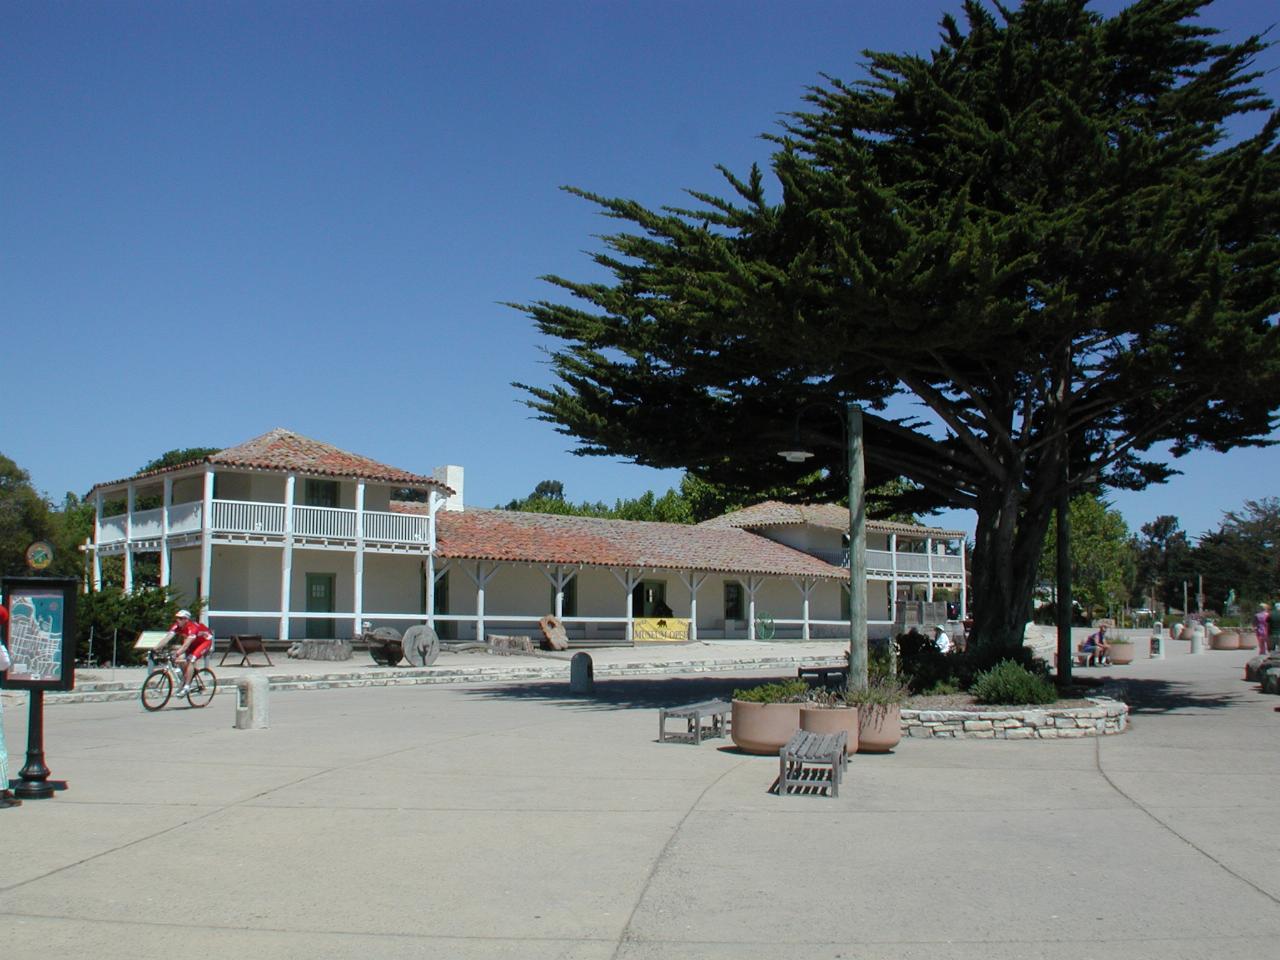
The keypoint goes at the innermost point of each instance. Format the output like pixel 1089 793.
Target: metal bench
pixel 800 760
pixel 717 711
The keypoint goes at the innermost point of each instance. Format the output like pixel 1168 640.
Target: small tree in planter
pixel 764 717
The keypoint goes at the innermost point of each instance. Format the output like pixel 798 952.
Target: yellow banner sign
pixel 660 630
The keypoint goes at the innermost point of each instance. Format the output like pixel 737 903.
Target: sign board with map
pixel 42 633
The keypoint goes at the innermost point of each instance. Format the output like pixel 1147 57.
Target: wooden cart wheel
pixel 385 646
pixel 421 645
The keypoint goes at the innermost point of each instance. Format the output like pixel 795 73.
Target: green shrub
pixel 943 688
pixel 784 691
pixel 116 618
pixel 1010 683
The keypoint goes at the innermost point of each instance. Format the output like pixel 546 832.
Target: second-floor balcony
pixel 267 519
pixel 882 564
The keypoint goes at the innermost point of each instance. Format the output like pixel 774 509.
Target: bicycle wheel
pixel 156 690
pixel 203 686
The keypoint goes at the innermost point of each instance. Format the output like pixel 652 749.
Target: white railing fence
pixel 241 516
pixel 395 527
pixel 324 522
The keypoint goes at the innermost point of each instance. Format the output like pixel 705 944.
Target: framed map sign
pixel 42 633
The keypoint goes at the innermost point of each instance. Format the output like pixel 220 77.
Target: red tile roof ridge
pixel 283 450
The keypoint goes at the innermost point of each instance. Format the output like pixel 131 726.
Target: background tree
pixel 1103 563
pixel 26 516
pixel 1164 562
pixel 1243 555
pixel 1037 232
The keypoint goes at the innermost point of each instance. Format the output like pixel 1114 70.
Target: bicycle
pixel 165 671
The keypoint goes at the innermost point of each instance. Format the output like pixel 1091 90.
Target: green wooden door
pixel 320 589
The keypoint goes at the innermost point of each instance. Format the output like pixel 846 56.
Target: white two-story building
pixel 288 537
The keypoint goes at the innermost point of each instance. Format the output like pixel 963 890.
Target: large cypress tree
pixel 1039 232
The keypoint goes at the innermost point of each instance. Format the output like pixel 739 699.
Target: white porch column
pixel 482 574
pixel 359 559
pixel 166 574
pixel 206 539
pixel 559 580
pixel 97 538
pixel 629 579
pixel 131 501
pixel 286 555
pixel 806 587
pixel 928 549
pixel 964 582
pixel 752 584
pixel 433 504
pixel 692 582
pixel 893 589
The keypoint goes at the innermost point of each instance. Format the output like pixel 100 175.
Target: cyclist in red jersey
pixel 195 639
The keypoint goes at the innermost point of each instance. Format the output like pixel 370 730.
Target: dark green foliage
pixel 922 665
pixel 1243 554
pixel 26 516
pixel 1164 561
pixel 784 691
pixel 1010 683
pixel 112 614
pixel 1038 232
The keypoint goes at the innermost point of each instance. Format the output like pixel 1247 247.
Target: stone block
pixel 970 725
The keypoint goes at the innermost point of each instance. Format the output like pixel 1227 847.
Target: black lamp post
pixel 857 541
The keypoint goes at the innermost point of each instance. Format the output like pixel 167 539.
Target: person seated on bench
pixel 1096 647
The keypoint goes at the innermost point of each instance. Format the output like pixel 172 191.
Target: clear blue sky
pixel 223 217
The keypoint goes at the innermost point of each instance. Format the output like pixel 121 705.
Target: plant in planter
pixel 879 713
pixel 765 717
pixel 827 711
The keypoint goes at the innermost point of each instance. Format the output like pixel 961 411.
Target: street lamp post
pixel 857 540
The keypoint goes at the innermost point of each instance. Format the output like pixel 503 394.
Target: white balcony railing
pixel 111 529
pixel 184 517
pixel 241 516
pixel 395 527
pixel 881 562
pixel 146 524
pixel 324 522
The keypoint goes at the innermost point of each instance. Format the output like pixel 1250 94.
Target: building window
pixel 733 602
pixel 320 493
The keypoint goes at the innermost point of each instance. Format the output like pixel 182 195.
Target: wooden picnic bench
pixel 800 760
pixel 717 711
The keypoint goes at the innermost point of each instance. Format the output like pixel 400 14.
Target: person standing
pixel 1261 627
pixel 7 799
pixel 1273 623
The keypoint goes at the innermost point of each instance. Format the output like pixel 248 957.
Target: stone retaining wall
pixel 1104 718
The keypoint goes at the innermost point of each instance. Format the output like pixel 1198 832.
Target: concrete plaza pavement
pixel 495 820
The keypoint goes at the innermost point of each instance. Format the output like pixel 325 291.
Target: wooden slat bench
pixel 717 711
pixel 804 753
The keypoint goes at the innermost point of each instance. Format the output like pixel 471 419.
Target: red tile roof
pixel 283 450
pixel 509 535
pixel 830 516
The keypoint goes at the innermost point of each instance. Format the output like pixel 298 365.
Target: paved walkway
pixel 514 820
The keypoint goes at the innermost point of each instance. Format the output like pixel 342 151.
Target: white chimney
pixel 450 476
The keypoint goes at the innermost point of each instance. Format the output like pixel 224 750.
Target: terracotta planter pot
pixel 763 728
pixel 1122 651
pixel 832 720
pixel 1225 640
pixel 879 728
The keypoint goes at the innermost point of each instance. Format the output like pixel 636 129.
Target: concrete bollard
pixel 581 674
pixel 1157 642
pixel 1197 639
pixel 252 711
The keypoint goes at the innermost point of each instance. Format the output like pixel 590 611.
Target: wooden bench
pixel 717 711
pixel 800 760
pixel 825 675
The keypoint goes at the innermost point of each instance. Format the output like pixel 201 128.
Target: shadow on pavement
pixel 647 693
pixel 1160 696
